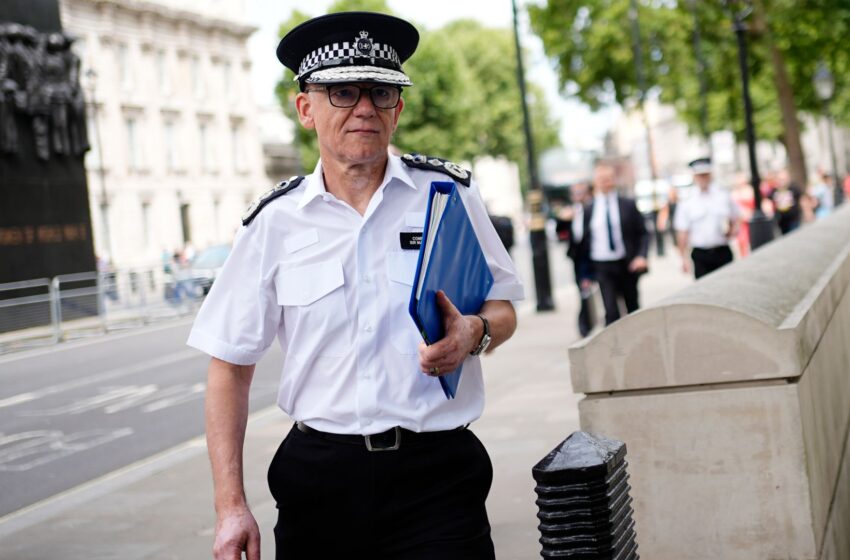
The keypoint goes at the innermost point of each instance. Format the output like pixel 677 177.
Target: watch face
pixel 482 346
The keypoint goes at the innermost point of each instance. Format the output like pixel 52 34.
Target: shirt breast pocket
pixel 314 311
pixel 401 267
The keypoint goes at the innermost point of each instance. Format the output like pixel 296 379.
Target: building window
pixel 170 146
pixel 146 224
pixel 197 78
pixel 227 75
pixel 134 146
pixel 163 77
pixel 185 225
pixel 93 155
pixel 203 144
pixel 237 144
pixel 125 73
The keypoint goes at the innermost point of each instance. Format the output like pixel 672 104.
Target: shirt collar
pixel 316 181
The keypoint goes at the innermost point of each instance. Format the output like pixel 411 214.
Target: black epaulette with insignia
pixel 279 190
pixel 440 165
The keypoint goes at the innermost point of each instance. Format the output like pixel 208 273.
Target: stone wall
pixel 733 397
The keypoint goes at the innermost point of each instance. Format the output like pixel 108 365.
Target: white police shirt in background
pixel 706 217
pixel 333 287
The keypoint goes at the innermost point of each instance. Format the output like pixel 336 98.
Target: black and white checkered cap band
pixel 347 51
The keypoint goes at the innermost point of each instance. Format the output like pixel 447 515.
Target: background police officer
pixel 706 222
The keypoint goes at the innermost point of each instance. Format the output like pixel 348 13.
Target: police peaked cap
pixel 700 166
pixel 349 47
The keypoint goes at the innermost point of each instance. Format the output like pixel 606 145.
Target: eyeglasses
pixel 347 95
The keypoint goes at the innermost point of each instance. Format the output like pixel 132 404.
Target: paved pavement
pixel 161 507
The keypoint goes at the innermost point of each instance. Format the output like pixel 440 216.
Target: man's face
pixel 702 180
pixel 351 135
pixel 579 192
pixel 603 179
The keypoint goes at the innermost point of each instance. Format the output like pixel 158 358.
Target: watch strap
pixel 485 337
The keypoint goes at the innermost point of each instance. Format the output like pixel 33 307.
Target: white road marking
pixel 98 377
pixel 27 450
pixel 149 398
pixel 54 505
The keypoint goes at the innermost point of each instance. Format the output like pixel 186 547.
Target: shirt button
pixel 367 279
pixel 368 328
pixel 366 422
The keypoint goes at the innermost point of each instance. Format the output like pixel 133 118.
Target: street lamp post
pixel 825 87
pixel 650 152
pixel 703 84
pixel 537 227
pixel 91 79
pixel 761 227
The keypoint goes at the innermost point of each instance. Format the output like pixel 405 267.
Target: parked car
pixel 205 267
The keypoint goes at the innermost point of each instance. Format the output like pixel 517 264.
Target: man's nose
pixel 364 106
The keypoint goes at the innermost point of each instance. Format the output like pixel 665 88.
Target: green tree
pixel 465 101
pixel 591 41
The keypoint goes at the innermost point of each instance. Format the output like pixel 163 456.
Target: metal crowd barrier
pixel 70 306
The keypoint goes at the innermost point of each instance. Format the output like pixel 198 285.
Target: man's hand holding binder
pixel 463 332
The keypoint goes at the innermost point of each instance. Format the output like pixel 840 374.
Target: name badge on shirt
pixel 410 240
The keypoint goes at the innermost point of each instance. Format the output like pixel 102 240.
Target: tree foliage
pixel 591 42
pixel 465 101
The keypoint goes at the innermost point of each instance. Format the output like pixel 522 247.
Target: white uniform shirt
pixel 706 217
pixel 333 287
pixel 600 248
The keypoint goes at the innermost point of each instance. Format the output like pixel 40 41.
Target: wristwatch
pixel 485 338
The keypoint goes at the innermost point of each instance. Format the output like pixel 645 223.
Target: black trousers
pixel 585 315
pixel 422 501
pixel 615 282
pixel 709 260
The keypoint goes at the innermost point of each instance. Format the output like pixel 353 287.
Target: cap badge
pixel 365 46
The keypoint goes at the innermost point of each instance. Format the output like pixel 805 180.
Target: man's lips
pixel 363 131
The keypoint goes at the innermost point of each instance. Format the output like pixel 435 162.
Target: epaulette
pixel 279 190
pixel 440 165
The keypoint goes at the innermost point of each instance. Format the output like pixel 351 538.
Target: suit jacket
pixel 632 227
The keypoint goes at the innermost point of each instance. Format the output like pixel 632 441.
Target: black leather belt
pixel 385 441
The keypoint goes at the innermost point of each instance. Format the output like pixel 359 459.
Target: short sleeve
pixel 506 282
pixel 240 316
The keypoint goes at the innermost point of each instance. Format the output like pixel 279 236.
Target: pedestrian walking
pixel 786 203
pixel 613 236
pixel 745 199
pixel 706 222
pixel 570 216
pixel 821 194
pixel 379 463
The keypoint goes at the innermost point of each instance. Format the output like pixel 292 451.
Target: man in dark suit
pixel 614 238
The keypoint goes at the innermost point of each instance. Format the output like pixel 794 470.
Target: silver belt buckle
pixel 393 447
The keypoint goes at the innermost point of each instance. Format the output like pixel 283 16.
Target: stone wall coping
pixel 760 317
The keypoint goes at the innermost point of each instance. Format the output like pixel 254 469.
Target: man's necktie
pixel 608 224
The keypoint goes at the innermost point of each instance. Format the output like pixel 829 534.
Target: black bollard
pixel 583 496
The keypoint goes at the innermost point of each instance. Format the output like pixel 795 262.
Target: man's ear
pixel 399 108
pixel 304 107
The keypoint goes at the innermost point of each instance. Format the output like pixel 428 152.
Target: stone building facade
pixel 176 153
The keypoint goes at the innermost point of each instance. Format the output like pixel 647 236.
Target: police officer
pixel 706 222
pixel 379 463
